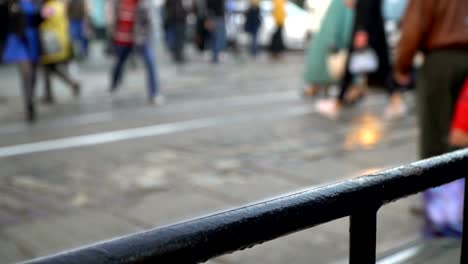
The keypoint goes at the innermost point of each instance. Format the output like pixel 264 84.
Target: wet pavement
pixel 229 135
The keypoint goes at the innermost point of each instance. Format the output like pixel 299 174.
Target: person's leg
pixel 331 108
pixel 48 94
pixel 151 70
pixel 345 83
pixel 218 38
pixel 215 43
pixel 255 43
pixel 121 53
pixel 179 42
pixel 65 76
pixel 438 85
pixel 435 103
pixel 83 39
pixel 34 69
pixel 26 75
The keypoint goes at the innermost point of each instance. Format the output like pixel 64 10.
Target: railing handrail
pixel 201 239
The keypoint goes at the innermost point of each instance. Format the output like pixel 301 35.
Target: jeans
pixel 122 54
pixel 254 43
pixel 218 38
pixel 77 34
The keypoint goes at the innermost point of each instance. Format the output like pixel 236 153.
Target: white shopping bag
pixel 363 61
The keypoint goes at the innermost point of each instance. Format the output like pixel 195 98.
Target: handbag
pixel 336 63
pixel 363 61
pixel 50 42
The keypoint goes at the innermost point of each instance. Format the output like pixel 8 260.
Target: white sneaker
pixel 328 108
pixel 157 100
pixel 395 111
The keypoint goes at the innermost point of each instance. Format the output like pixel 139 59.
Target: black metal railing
pixel 201 239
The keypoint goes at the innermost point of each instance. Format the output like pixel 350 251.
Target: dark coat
pixel 215 8
pixel 369 18
pixel 175 12
pixel 253 20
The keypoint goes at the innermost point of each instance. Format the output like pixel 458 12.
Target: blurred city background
pixel 206 121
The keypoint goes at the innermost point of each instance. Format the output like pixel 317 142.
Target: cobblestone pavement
pixel 229 135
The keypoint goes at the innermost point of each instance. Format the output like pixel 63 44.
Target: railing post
pixel 363 228
pixel 464 249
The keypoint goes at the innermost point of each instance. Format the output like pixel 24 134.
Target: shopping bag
pixel 363 61
pixel 444 209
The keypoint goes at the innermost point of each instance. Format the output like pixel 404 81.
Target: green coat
pixel 335 32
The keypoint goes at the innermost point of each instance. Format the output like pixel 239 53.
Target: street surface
pixel 94 168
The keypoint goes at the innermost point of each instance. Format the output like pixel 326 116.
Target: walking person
pixel 440 30
pixel 175 23
pixel 77 15
pixel 253 22
pixel 133 29
pixel 202 34
pixel 277 46
pixel 21 46
pixel 334 36
pixel 369 38
pixel 216 24
pixel 56 47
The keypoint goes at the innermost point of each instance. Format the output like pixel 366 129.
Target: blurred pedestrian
pixel 368 63
pixel 22 45
pixel 56 47
pixel 216 24
pixel 98 17
pixel 440 30
pixel 77 14
pixel 277 46
pixel 202 34
pixel 334 36
pixel 458 136
pixel 232 28
pixel 133 32
pixel 175 23
pixel 253 22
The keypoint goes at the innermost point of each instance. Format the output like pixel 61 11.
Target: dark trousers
pixel 179 42
pixel 277 42
pixel 253 42
pixel 28 73
pixel 122 54
pixel 54 69
pixel 439 83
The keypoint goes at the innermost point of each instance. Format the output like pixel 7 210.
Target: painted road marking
pixel 146 131
pixel 96 118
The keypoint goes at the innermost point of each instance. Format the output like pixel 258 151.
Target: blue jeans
pixel 254 43
pixel 218 38
pixel 122 53
pixel 77 34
